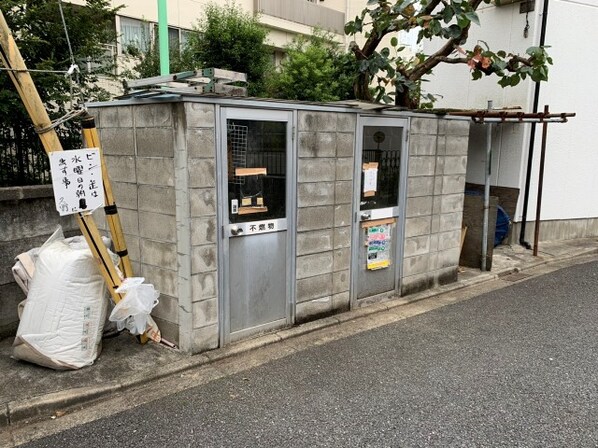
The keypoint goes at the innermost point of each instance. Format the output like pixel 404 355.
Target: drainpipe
pixel 487 191
pixel 163 38
pixel 532 138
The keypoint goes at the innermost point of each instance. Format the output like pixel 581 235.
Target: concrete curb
pixel 21 410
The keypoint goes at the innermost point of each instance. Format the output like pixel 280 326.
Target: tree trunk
pixel 361 87
pixel 403 99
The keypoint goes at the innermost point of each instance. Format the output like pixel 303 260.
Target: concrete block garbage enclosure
pixel 253 215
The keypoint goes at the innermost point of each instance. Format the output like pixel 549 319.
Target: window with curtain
pixel 134 34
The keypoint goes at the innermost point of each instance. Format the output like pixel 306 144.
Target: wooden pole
pixel 11 58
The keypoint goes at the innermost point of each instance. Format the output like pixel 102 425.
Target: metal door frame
pixel 290 117
pixel 369 120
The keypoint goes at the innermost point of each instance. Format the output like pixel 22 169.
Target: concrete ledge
pixel 26 192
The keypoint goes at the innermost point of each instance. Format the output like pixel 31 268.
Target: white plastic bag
pixel 133 311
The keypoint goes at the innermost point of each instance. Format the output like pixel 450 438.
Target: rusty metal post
pixel 540 184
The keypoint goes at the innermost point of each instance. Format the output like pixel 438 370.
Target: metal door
pixel 255 174
pixel 380 175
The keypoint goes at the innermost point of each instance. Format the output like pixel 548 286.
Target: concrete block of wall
pixel 155 142
pixel 454 127
pixel 416 283
pixel 199 115
pixel 125 194
pixel 317 121
pixel 417 245
pixel 449 240
pixel 345 144
pixel 341 281
pixel 205 313
pixel 418 264
pixel 157 199
pixel 419 206
pixel 129 220
pixel 204 285
pixel 152 115
pixel 155 171
pixel 201 143
pixel 316 170
pixel 342 237
pixel 133 246
pixel 203 230
pixel 434 243
pixel 314 287
pixel 455 165
pixel 422 166
pixel 341 301
pixel 203 259
pixel 205 338
pixel 156 253
pixel 453 184
pixel 451 221
pixel 202 201
pixel 418 226
pixel 315 218
pixel 121 168
pixel 452 203
pixel 114 117
pixel 202 173
pixel 313 309
pixel 342 258
pixel 169 330
pixel 420 186
pixel 118 141
pixel 314 241
pixel 317 144
pixel 314 264
pixel 315 193
pixel 456 145
pixel 343 192
pixel 10 296
pixel 449 258
pixel 158 227
pixel 422 145
pixel 344 169
pixel 167 308
pixel 164 280
pixel 342 215
pixel 346 122
pixel 428 126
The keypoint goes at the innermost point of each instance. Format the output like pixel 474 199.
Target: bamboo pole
pixel 92 140
pixel 11 58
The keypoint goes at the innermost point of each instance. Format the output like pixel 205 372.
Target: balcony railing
pixel 304 12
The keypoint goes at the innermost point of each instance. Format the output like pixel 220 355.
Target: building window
pixel 134 35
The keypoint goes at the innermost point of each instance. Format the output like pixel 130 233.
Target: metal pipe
pixel 530 156
pixel 163 38
pixel 540 184
pixel 487 191
pixel 516 120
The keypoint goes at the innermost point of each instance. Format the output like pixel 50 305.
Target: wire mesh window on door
pixel 237 141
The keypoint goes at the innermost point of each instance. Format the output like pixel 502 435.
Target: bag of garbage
pixel 133 311
pixel 64 314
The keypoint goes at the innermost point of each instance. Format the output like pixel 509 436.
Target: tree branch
pixel 453 60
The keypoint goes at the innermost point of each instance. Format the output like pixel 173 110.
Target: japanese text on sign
pixel 77 180
pixel 378 246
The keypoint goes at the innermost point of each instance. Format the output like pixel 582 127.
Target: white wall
pixel 572 161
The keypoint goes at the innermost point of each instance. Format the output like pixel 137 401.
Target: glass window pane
pixel 256 159
pixel 173 39
pixel 134 35
pixel 381 167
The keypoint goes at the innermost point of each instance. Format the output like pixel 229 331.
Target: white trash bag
pixel 133 311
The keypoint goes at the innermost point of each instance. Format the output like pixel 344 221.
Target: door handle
pixel 236 231
pixel 365 216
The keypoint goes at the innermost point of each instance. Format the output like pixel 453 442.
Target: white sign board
pixel 77 180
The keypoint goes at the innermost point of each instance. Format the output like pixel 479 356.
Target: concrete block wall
pixel 435 190
pixel 139 146
pixel 201 183
pixel 326 142
pixel 28 217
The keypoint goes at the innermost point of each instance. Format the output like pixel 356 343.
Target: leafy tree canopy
pixel 314 69
pixel 444 19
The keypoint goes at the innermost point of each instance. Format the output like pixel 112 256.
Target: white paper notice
pixel 77 180
pixel 370 179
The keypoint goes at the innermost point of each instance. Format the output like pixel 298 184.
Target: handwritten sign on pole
pixel 77 180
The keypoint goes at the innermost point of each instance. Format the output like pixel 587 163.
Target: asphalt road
pixel 514 367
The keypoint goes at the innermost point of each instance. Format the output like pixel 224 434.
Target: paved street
pixel 513 367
